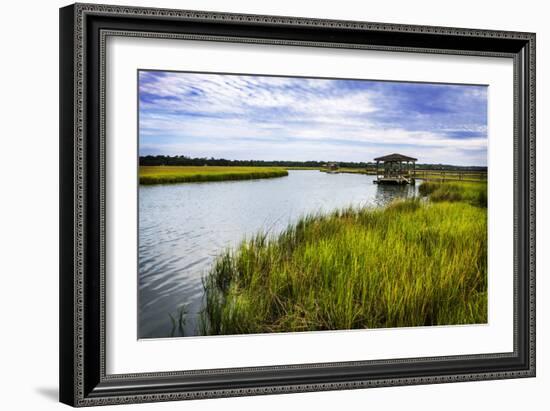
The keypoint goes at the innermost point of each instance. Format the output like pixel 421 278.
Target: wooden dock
pixel 397 169
pixel 396 180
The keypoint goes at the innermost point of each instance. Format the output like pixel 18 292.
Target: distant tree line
pixel 161 160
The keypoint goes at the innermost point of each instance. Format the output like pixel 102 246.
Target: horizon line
pixel 302 161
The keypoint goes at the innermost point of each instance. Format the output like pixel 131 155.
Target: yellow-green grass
pixel 474 193
pixel 191 174
pixel 301 168
pixel 412 263
pixel 451 175
pixel 349 171
pixel 421 174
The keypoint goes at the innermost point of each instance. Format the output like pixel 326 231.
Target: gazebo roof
pixel 395 157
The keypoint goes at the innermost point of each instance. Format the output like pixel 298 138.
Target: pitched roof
pixel 395 157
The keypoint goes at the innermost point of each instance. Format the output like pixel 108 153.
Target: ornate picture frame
pixel 84 29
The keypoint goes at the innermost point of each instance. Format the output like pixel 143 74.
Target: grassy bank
pixel 431 175
pixel 413 263
pixel 474 193
pixel 302 168
pixel 469 176
pixel 190 174
pixel 349 171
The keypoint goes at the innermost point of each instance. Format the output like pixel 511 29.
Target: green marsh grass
pixel 412 263
pixel 432 175
pixel 451 175
pixel 191 174
pixel 474 193
pixel 178 322
pixel 348 170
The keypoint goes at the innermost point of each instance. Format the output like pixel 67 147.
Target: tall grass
pixel 191 174
pixel 474 193
pixel 413 263
pixel 442 176
pixel 446 175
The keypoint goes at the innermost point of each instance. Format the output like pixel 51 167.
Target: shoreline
pixel 411 263
pixel 152 175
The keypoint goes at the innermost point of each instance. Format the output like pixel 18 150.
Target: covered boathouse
pixel 396 169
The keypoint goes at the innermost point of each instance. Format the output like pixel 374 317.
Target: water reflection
pixel 386 193
pixel 184 227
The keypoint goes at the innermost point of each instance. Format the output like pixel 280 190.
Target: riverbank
pixel 191 174
pixel 474 193
pixel 432 175
pixel 348 171
pixel 412 263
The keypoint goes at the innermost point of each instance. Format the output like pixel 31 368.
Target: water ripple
pixel 184 227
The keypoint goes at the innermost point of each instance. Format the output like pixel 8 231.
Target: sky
pixel 249 117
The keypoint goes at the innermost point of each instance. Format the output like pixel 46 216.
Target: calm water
pixel 183 227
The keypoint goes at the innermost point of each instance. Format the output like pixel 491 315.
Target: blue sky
pixel 250 117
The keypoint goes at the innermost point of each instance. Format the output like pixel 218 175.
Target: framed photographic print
pixel 262 204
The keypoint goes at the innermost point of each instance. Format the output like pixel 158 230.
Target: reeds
pixel 471 192
pixel 189 174
pixel 413 263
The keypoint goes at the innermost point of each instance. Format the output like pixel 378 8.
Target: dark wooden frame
pixel 83 29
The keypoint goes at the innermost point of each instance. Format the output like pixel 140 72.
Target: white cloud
pixel 255 117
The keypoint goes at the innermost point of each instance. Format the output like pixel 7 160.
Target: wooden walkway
pixel 396 180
